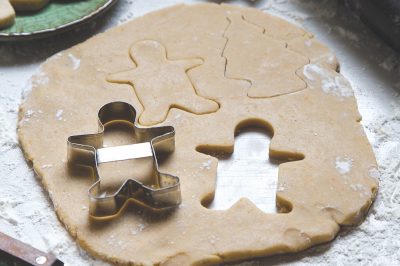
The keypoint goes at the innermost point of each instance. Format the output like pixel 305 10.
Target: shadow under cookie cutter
pixel 87 150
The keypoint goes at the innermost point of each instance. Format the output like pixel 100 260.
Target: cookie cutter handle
pixel 15 252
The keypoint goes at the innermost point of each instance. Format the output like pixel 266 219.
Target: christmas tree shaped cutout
pixel 254 56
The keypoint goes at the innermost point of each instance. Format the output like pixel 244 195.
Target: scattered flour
pixel 206 165
pixel 139 229
pixel 374 173
pixel 281 187
pixel 347 34
pixel 26 212
pixel 40 78
pixel 337 86
pixel 8 138
pixel 29 113
pixel 343 165
pixel 331 83
pixel 59 114
pixel 75 61
pixel 308 43
pixel 361 189
pixel 45 166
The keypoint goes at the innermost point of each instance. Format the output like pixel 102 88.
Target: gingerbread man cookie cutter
pixel 87 150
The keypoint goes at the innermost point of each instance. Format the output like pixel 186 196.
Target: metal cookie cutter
pixel 87 150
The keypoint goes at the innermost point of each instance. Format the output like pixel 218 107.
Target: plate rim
pixel 62 28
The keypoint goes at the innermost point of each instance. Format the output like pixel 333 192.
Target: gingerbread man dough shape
pixel 155 75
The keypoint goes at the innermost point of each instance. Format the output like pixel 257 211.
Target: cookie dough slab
pixel 332 183
pixel 7 14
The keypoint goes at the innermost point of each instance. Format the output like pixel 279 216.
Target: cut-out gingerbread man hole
pixel 161 83
pixel 249 172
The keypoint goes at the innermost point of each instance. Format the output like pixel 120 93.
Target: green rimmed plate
pixel 56 17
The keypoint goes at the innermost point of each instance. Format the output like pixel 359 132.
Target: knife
pixel 16 253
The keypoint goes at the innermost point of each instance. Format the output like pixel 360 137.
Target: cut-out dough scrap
pixel 7 14
pixel 163 81
pixel 251 55
pixel 333 185
pixel 8 7
pixel 28 5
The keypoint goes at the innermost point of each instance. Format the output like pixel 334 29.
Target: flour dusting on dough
pixel 281 187
pixel 332 84
pixel 29 113
pixel 41 78
pixel 59 114
pixel 55 57
pixel 206 165
pixel 45 166
pixel 374 173
pixel 138 229
pixel 364 192
pixel 343 165
pixel 308 43
pixel 75 61
pixel 337 86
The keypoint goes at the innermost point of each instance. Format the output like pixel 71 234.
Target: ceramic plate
pixel 57 16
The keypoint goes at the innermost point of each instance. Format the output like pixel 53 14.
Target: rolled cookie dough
pixel 291 85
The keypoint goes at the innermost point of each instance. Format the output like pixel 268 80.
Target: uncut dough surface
pixel 311 111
